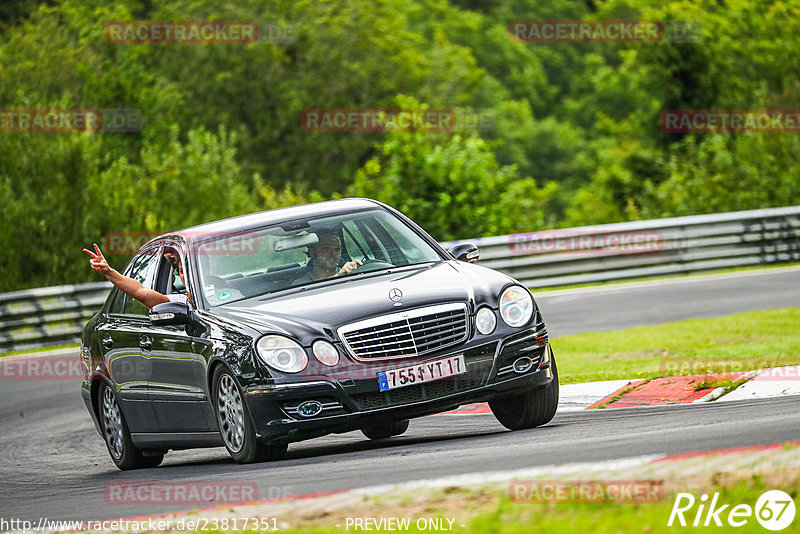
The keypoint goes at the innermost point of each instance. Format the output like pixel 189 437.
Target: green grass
pixel 741 342
pixel 600 518
pixel 729 384
pixel 497 515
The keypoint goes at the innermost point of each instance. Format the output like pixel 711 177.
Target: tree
pixel 452 186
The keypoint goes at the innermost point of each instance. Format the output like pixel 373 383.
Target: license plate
pixel 423 372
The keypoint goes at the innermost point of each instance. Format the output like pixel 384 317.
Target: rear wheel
pixel 235 423
pixel 527 410
pixel 385 431
pixel 118 436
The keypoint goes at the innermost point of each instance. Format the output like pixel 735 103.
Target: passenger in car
pixel 175 261
pixel 129 286
pixel 325 256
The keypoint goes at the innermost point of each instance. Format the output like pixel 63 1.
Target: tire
pixel 235 423
pixel 117 435
pixel 528 410
pixel 385 431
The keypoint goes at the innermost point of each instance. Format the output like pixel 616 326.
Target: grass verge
pixel 490 510
pixel 604 517
pixel 741 342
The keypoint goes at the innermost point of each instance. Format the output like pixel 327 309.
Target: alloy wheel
pixel 112 424
pixel 230 413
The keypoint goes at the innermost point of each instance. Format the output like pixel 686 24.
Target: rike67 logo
pixel 774 510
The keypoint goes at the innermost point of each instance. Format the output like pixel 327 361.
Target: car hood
pixel 319 309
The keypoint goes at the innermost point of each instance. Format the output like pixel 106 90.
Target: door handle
pixel 107 342
pixel 145 343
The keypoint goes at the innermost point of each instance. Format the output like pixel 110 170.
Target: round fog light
pixel 522 365
pixel 325 352
pixel 485 321
pixel 309 408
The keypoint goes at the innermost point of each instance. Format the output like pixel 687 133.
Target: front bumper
pixel 351 404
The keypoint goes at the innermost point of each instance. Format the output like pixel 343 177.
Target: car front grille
pixel 406 334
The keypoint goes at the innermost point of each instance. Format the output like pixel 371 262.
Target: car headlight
pixel 485 321
pixel 325 352
pixel 282 354
pixel 516 306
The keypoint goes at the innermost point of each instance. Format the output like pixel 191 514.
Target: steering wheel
pixel 368 261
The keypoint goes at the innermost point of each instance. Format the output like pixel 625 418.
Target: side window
pixel 119 302
pixel 171 266
pixel 142 269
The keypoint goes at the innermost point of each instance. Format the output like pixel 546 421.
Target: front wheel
pixel 235 423
pixel 527 410
pixel 118 436
pixel 385 431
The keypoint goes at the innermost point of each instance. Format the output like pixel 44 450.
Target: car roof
pixel 270 217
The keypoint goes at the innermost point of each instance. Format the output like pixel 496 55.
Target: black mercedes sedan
pixel 298 322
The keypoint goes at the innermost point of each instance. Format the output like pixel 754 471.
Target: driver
pixel 325 256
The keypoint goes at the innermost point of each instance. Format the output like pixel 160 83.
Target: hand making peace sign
pixel 98 261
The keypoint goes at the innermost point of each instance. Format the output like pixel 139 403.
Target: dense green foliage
pixel 575 140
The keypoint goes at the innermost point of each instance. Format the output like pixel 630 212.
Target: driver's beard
pixel 327 264
pixel 321 266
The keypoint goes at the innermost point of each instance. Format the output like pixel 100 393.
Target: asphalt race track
pixel 62 474
pixel 53 464
pixel 616 306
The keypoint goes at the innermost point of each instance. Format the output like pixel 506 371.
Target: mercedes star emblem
pixel 395 295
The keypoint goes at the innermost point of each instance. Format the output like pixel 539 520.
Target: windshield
pixel 309 251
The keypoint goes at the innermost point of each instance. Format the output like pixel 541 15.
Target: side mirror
pixel 467 252
pixel 170 313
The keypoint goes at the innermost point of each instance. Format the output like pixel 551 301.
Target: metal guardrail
pixel 640 249
pixel 49 316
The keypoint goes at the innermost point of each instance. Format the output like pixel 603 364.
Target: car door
pixel 178 386
pixel 121 335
